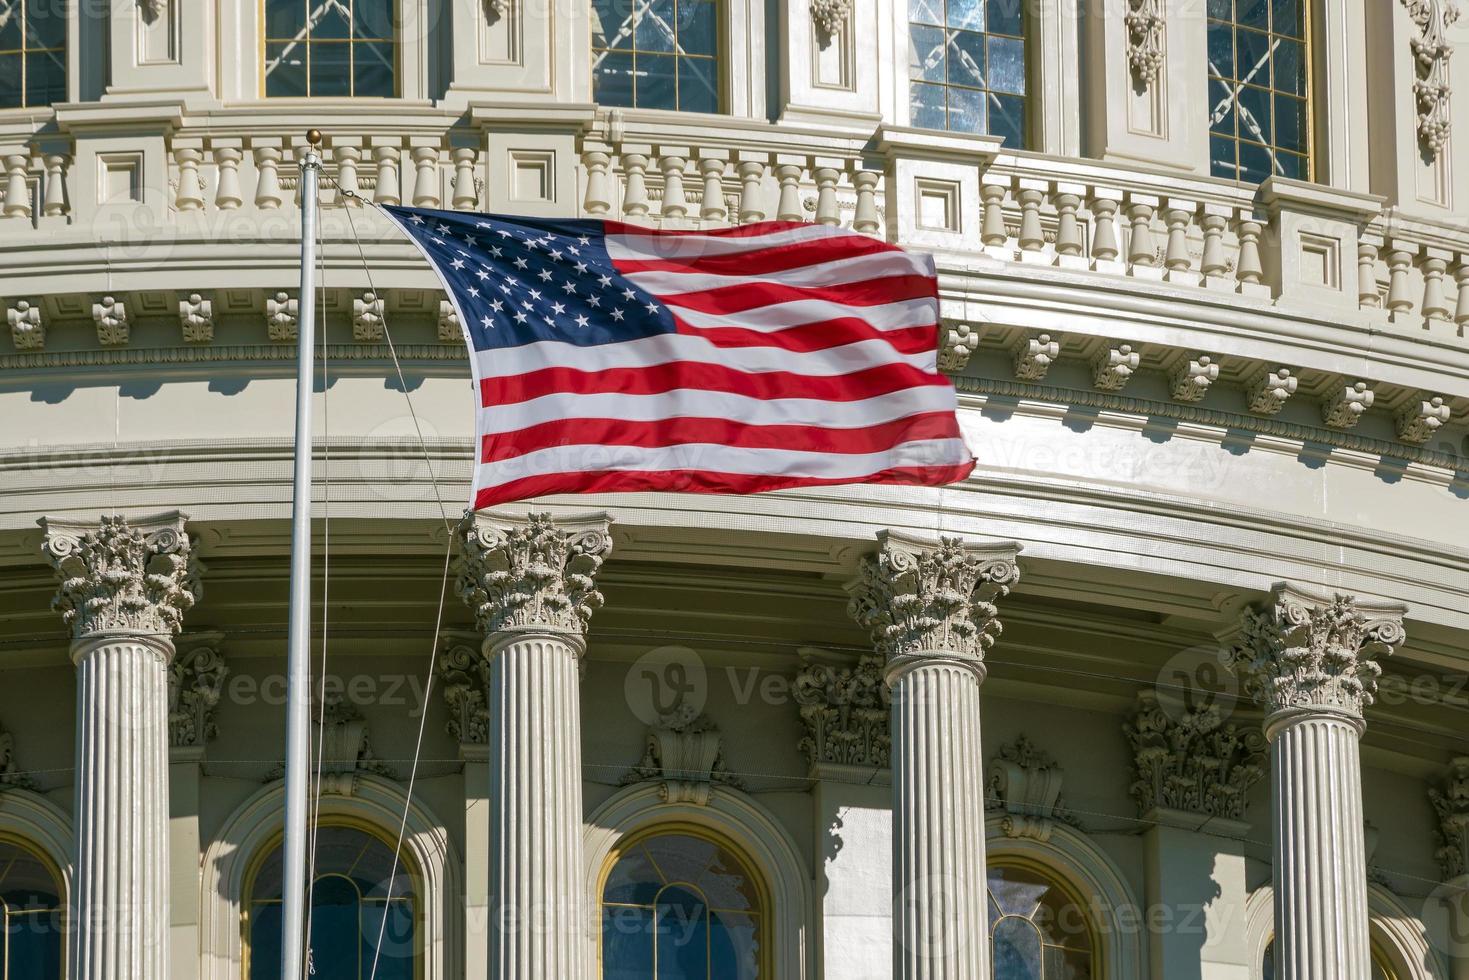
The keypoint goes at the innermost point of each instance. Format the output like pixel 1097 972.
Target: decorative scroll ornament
pixel 1431 52
pixel 1025 782
pixel 1190 760
pixel 1451 803
pixel 464 673
pixel 523 574
pixel 686 752
pixel 846 714
pixel 919 597
pixel 495 9
pixel 1304 651
pixel 830 16
pixel 195 682
pixel 122 578
pixel 345 748
pixel 10 776
pixel 27 327
pixel 1145 38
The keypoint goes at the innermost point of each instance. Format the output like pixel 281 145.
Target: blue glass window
pixel 1258 89
pixel 1037 932
pixel 966 67
pixel 31 902
pixel 341 48
pixel 656 54
pixel 32 53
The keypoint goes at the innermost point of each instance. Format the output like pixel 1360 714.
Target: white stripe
pixel 841 272
pixel 704 404
pixel 922 312
pixel 638 246
pixel 506 362
pixel 719 458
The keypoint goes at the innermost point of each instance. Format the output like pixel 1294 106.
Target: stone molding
pixel 1025 783
pixel 1189 760
pixel 123 577
pixel 1450 801
pixel 524 574
pixel 195 681
pixel 685 752
pixel 846 711
pixel 919 597
pixel 1298 650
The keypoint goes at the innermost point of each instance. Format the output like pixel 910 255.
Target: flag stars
pixel 483 274
pixel 594 301
pixel 555 255
pixel 457 263
pixel 581 268
pixel 582 321
pixel 521 263
pixel 474 292
pixel 545 275
pixel 488 323
pixel 568 287
pixel 558 309
pixel 417 219
pixel 444 229
pixel 653 308
pixel 604 281
pixel 497 306
pixel 521 317
pixel 618 315
pixel 629 294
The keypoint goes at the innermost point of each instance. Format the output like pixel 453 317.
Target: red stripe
pixel 810 337
pixel 778 258
pixel 702 481
pixel 724 432
pixel 753 295
pixel 708 377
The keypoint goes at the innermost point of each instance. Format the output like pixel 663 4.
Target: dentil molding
pixel 1190 760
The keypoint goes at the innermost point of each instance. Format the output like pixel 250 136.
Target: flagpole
pixel 298 676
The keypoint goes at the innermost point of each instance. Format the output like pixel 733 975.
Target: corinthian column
pixel 531 585
pixel 930 607
pixel 1309 661
pixel 124 589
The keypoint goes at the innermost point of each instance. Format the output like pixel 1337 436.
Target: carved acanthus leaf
pixel 464 678
pixel 846 713
pixel 1304 651
pixel 195 682
pixel 1431 52
pixel 921 597
pixel 1451 802
pixel 120 577
pixel 1190 760
pixel 686 753
pixel 532 573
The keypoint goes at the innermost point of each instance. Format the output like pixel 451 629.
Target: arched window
pixel 1381 968
pixel 1038 930
pixel 31 899
pixel 678 905
pixel 330 48
pixel 656 54
pixel 32 53
pixel 1259 100
pixel 355 900
pixel 966 66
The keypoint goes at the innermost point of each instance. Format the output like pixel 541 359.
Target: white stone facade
pixel 1221 510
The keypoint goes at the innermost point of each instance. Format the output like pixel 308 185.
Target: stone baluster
pixel 1367 295
pixel 789 206
pixel 17 185
pixel 992 231
pixel 866 219
pixel 1435 304
pixel 752 197
pixel 1461 305
pixel 675 204
pixel 1248 269
pixel 123 590
pixel 1178 214
pixel 598 198
pixel 54 204
pixel 466 191
pixel 190 193
pixel 1214 264
pixel 530 584
pixel 347 159
pixel 1032 240
pixel 268 194
pixel 1399 302
pixel 1310 663
pixel 712 206
pixel 228 195
pixel 1105 246
pixel 827 212
pixel 1142 253
pixel 930 607
pixel 426 191
pixel 1069 245
pixel 635 194
pixel 386 157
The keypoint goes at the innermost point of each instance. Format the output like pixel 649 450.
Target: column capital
pixel 532 574
pixel 122 577
pixel 922 598
pixel 1298 651
pixel 195 682
pixel 1189 760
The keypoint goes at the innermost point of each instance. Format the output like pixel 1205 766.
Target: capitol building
pixel 1174 687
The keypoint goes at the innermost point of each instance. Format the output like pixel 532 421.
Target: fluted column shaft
pixel 535 807
pixel 122 808
pixel 938 823
pixel 1319 856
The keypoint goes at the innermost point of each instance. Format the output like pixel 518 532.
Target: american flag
pixel 614 357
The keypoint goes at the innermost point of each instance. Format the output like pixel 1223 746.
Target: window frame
pixel 1310 143
pixel 62 898
pixel 1030 69
pixel 25 51
pixel 733 848
pixel 406 863
pixel 721 59
pixel 1058 881
pixel 265 40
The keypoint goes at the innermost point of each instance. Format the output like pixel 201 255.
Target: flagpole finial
pixel 313 136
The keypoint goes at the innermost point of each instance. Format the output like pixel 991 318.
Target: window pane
pixel 966 59
pixel 734 947
pixel 330 24
pixel 285 18
pixel 1007 65
pixel 926 53
pixel 966 110
pixel 967 15
pixel 1221 9
pixel 926 105
pixel 1253 13
pixel 1254 114
pixel 1017 947
pixel 45 24
pixel 1007 119
pixel 372 71
pixel 612 24
pixel 1221 51
pixel 655 30
pixel 10 33
pixel 373 19
pixel 657 86
pixel 1288 18
pixel 1006 16
pixel 331 69
pixel 926 11
pixel 285 69
pixel 395 962
pixel 698 31
pixel 978 56
pixel 627 943
pixel 1290 123
pixel 1290 66
pixel 1254 162
pixel 1253 51
pixel 45 78
pixel 1221 158
pixel 612 79
pixel 1291 165
pixel 698 88
pixel 682 935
